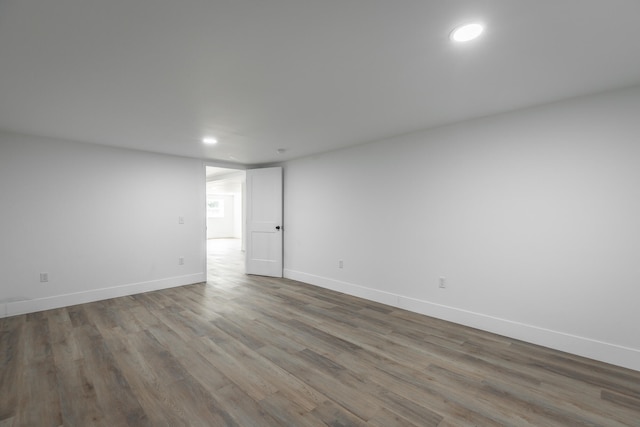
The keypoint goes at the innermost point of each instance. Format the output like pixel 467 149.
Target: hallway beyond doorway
pixel 225 259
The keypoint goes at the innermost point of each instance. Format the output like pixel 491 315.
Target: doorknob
pixel 277 227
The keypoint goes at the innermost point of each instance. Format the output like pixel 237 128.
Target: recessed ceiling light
pixel 467 32
pixel 209 140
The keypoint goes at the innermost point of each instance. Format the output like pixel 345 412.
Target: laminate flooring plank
pixel 235 309
pixel 516 360
pixel 288 412
pixel 439 401
pixel 621 399
pixel 202 304
pixel 592 411
pixel 199 367
pixel 182 395
pixel 506 404
pixel 196 325
pixel 77 396
pixel 250 381
pixel 279 323
pixel 362 320
pixel 419 392
pixel 77 315
pixel 340 300
pixel 11 359
pixel 432 326
pixel 314 314
pixel 168 394
pixel 304 298
pixel 201 371
pixel 101 315
pixel 286 313
pixel 457 358
pixel 334 415
pixel 387 418
pixel 563 391
pixel 269 334
pixel 148 301
pixel 62 335
pixel 114 395
pixel 144 316
pixel 329 341
pixel 245 410
pixel 186 331
pixel 452 393
pixel 376 306
pixel 629 388
pixel 413 354
pixel 38 403
pixel 410 410
pixel 125 318
pixel 244 335
pixel 360 404
pixel 201 407
pixel 78 399
pixel 287 385
pixel 602 374
pixel 153 390
pixel 185 304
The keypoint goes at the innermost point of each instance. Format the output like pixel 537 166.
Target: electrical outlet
pixel 340 264
pixel 443 282
pixel 44 277
pixel 181 261
pixel 180 220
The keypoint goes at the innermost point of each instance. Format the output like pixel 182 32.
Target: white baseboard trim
pixel 13 308
pixel 605 352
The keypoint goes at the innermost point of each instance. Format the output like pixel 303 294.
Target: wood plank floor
pixel 253 351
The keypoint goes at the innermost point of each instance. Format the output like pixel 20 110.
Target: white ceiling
pixel 224 181
pixel 304 75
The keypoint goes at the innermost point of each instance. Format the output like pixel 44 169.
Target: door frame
pixel 230 167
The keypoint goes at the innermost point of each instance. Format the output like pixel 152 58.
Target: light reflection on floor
pixel 225 259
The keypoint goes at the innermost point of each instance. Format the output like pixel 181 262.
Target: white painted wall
pixel 532 216
pixel 101 221
pixel 222 227
pixel 238 221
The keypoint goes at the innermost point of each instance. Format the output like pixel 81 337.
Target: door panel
pixel 264 222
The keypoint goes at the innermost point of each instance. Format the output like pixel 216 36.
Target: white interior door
pixel 264 222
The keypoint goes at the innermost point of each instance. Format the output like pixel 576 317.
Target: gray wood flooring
pixel 254 351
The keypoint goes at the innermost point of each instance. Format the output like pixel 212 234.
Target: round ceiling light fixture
pixel 468 32
pixel 209 140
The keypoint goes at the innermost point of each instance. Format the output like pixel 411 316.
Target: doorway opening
pixel 225 230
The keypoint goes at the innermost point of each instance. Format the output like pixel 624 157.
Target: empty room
pixel 319 213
